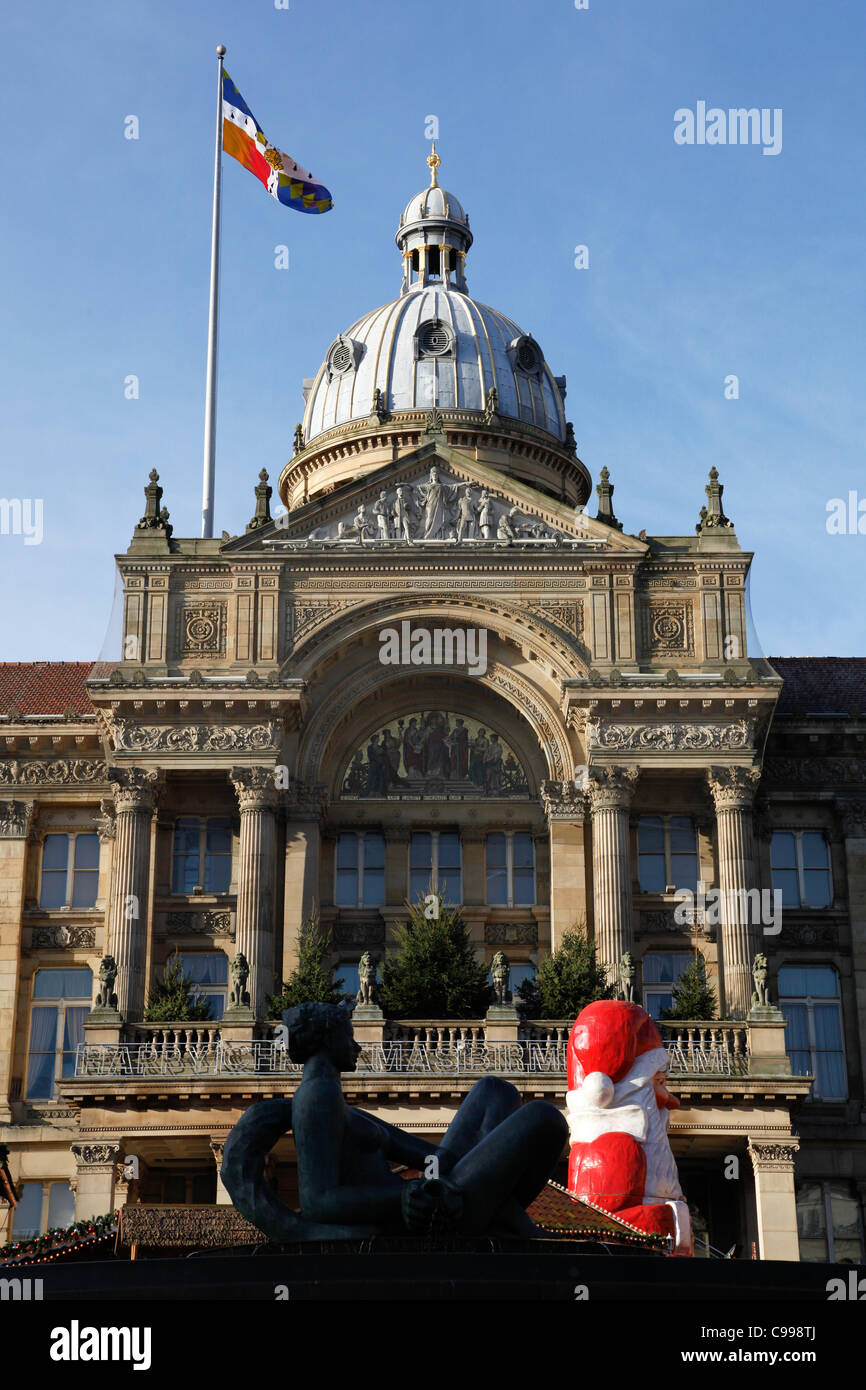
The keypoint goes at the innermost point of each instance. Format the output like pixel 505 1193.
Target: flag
pixel 244 139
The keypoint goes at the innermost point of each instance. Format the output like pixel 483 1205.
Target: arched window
pixel 809 999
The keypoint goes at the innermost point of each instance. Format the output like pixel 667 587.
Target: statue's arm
pixel 319 1128
pixel 400 1147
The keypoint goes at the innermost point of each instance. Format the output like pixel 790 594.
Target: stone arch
pixel 322 741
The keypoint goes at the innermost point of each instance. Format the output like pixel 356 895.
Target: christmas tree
pixel 566 981
pixel 171 999
pixel 434 972
pixel 311 981
pixel 693 997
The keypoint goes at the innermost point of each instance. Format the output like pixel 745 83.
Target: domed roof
pixel 434 346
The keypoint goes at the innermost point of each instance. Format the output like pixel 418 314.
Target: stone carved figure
pixel 626 977
pixel 107 978
pixel 367 979
pixel 434 500
pixel 402 518
pixel 501 974
pixel 466 515
pixel 761 993
pixel 240 972
pixel 617 1104
pixel 493 1160
pixel 381 512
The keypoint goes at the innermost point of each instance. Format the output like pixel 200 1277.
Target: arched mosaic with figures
pixel 435 753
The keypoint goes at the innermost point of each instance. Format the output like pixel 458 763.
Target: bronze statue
pixel 494 1159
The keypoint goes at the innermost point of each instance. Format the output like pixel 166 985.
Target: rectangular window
pixel 208 973
pixel 61 1002
pixel 809 999
pixel 201 855
pixel 800 866
pixel 829 1223
pixel 360 870
pixel 435 865
pixel 70 870
pixel 42 1206
pixel 667 853
pixel 510 869
pixel 661 970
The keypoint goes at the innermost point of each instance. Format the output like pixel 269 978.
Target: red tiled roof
pixel 821 684
pixel 45 687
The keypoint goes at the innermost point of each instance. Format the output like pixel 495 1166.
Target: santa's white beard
pixel 662 1179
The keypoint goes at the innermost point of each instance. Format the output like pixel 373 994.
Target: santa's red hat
pixel 612 1041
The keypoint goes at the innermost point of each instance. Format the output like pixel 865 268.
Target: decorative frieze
pixel 195 738
pixel 670 737
pixel 828 772
pixel 95 1155
pixel 41 771
pixel 359 934
pixel 568 616
pixel 210 922
pixel 511 933
pixel 60 937
pixel 852 816
pixel 808 933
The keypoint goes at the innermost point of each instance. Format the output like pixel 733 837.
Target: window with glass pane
pixel 809 1000
pixel 61 1002
pixel 347 870
pixel 811 1222
pixel 829 1222
pixel 667 853
pixel 61 1206
pixel 523 872
pixel 420 865
pixel 374 870
pixel 448 871
pixel 800 863
pixel 816 869
pixel 55 861
pixel 661 970
pixel 683 843
pixel 651 854
pixel 184 873
pixel 218 855
pixel 208 973
pixel 85 873
pixel 27 1215
pixel 497 871
pixel 348 972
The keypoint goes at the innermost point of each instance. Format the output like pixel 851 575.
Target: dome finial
pixel 434 161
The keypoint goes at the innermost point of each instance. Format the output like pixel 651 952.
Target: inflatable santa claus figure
pixel 617 1106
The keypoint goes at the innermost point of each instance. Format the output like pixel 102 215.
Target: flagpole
pixel 207 496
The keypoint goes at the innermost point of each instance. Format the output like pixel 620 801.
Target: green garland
pixel 59 1235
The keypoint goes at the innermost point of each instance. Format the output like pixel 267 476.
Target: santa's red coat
pixel 611 1173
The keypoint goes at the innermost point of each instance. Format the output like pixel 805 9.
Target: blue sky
pixel 556 130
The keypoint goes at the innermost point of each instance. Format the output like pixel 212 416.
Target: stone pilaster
pixel 96 1177
pixel 15 820
pixel 565 809
pixel 610 790
pixel 256 793
pixel 775 1199
pixel 135 794
pixel 222 1197
pixel 733 791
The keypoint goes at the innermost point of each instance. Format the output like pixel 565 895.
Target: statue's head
pixel 322 1028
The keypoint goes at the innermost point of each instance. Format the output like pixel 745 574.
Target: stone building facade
pixel 434 670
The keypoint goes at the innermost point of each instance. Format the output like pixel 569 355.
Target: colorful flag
pixel 285 180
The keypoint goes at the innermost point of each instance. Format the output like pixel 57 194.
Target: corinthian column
pixel 135 793
pixel 610 790
pixel 256 793
pixel 733 792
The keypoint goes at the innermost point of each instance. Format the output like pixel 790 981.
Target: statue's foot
pixel 428 1203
